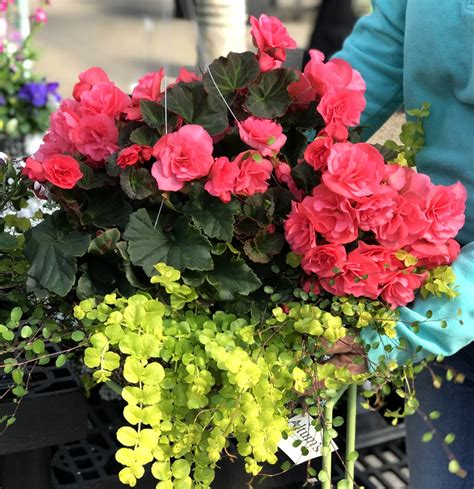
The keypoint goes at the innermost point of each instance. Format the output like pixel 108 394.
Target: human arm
pixel 432 338
pixel 375 49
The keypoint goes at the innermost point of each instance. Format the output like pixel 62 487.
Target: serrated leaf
pixel 111 167
pixel 388 153
pixel 236 70
pixel 209 214
pixel 105 242
pixel 306 119
pixel 51 250
pixel 269 98
pixel 125 132
pixel 195 106
pixel 153 114
pixel 106 212
pixel 137 183
pixel 305 177
pixel 264 246
pixel 182 247
pixel 144 136
pixel 232 277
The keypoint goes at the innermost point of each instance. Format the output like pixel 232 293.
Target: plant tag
pixel 304 432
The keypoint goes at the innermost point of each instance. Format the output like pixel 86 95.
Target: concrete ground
pixel 130 38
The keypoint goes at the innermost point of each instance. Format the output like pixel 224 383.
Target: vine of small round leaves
pixel 194 379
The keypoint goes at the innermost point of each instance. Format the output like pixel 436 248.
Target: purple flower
pixel 38 94
pixel 3 100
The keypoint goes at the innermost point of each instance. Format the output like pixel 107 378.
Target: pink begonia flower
pixel 62 171
pixel 445 210
pixel 222 178
pixel 395 177
pixel 324 261
pixel 415 183
pixel 400 290
pixel 431 255
pixel 267 62
pixel 49 147
pixel 377 210
pixel 332 215
pixel 354 171
pixel 386 260
pixel 336 73
pixel 87 80
pixel 129 156
pixel 146 152
pixel 334 285
pixel 63 122
pixel 104 98
pixel 299 230
pixel 34 170
pixel 283 175
pixel 96 137
pixel 182 156
pixel 148 88
pixel 301 92
pixel 317 153
pixel 254 174
pixel 311 286
pixel 271 38
pixel 186 76
pixel 41 17
pixel 341 108
pixel 361 275
pixel 408 224
pixel 262 134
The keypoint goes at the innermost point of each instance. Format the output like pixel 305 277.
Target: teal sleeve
pixel 375 49
pixel 431 337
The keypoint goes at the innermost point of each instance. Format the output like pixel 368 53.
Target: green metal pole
pixel 351 433
pixel 327 452
pixel 327 439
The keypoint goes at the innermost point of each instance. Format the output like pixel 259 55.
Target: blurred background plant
pixel 26 98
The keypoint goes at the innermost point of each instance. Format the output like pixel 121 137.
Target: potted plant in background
pixel 26 99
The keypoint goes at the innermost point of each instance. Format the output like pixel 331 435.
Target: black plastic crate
pixel 54 412
pixel 90 464
pixel 383 466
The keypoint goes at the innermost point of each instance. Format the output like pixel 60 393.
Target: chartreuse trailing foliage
pixel 193 379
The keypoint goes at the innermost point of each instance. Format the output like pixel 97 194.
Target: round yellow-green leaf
pixel 181 469
pixel 127 436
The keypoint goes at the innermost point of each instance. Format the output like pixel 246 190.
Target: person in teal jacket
pixel 410 52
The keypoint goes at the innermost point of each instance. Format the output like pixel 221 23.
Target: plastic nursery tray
pixel 90 464
pixel 53 412
pixel 383 466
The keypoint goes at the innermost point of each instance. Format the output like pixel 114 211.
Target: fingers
pixel 349 360
pixel 344 345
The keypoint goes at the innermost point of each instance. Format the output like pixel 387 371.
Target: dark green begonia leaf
pixel 182 247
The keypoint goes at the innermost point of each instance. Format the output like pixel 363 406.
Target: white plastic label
pixel 311 439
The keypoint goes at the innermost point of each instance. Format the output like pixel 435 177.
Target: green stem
pixel 351 432
pixel 327 439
